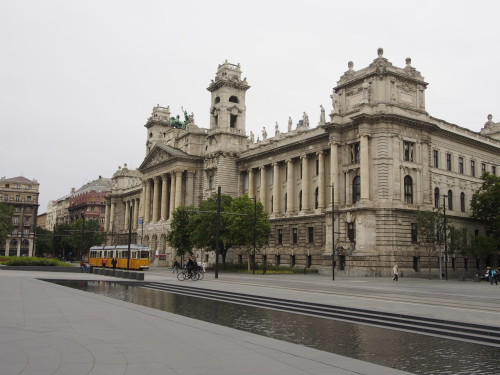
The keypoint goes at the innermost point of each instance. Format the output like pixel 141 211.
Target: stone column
pixel 334 170
pixel 156 198
pixel 106 217
pixel 305 183
pixel 143 201
pixel 263 187
pixel 172 195
pixel 112 217
pixel 364 167
pixel 290 187
pixel 136 213
pixel 127 216
pixel 251 184
pixel 276 189
pixel 178 188
pixel 190 187
pixel 164 196
pixel 147 202
pixel 321 180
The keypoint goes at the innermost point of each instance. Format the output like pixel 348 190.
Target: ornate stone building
pixel 377 160
pixel 22 194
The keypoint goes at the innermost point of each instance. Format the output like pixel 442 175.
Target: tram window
pixel 144 254
pixel 124 254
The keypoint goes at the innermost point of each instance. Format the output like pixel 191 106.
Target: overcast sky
pixel 78 79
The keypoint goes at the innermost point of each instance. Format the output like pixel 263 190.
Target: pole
pixel 83 235
pixel 445 242
pixel 129 239
pixel 217 234
pixel 254 225
pixel 333 235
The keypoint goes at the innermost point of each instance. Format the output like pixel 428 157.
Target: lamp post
pixel 333 234
pixel 445 242
pixel 217 233
pixel 254 232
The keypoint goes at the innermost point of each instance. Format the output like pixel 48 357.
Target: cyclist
pixel 190 266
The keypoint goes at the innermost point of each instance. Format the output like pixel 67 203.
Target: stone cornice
pixel 240 85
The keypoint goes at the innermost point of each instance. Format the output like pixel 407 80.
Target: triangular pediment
pixel 160 154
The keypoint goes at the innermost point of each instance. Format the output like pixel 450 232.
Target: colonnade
pixel 162 194
pixel 128 205
pixel 320 182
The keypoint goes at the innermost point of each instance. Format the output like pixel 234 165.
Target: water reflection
pixel 401 350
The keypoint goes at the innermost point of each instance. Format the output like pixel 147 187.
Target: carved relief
pixel 158 158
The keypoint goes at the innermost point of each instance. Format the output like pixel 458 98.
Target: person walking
pixel 493 276
pixel 114 261
pixel 176 266
pixel 395 272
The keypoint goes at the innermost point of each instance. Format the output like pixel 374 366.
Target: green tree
pixel 44 241
pixel 62 240
pixel 485 205
pixel 428 233
pixel 179 236
pixel 84 235
pixel 248 223
pixel 203 225
pixel 5 221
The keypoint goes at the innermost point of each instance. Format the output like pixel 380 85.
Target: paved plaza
pixel 50 329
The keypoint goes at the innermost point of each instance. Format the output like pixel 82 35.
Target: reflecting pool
pixel 410 352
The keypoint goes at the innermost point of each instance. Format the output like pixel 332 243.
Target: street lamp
pixel 333 234
pixel 445 242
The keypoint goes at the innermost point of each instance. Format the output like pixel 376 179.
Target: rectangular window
pixel 292 260
pixel 483 168
pixel 280 236
pixel 493 169
pixel 409 151
pixel 234 121
pixel 435 158
pixel 294 236
pixel 351 232
pixel 15 221
pixel 5 197
pixel 301 170
pixel 448 162
pixel 278 260
pixel 310 234
pixel 210 182
pixel 26 232
pixel 473 168
pixel 461 165
pixel 355 152
pixel 18 198
pixel 414 233
pixel 317 167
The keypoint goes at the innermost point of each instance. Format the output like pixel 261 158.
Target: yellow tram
pixel 139 256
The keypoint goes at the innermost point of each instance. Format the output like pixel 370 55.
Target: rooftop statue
pixel 290 122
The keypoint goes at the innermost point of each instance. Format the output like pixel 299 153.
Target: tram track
pixel 477 333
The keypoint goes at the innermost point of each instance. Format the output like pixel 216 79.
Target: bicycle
pixel 193 275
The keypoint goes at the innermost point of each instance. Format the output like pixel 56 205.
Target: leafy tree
pixel 485 205
pixel 85 234
pixel 203 225
pixel 44 239
pixel 179 236
pixel 481 247
pixel 428 233
pixel 62 240
pixel 248 218
pixel 5 221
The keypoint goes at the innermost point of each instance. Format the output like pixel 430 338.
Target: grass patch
pixel 32 261
pixel 270 269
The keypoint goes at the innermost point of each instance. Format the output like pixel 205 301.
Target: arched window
pixel 356 189
pixel 450 200
pixel 216 100
pixel 408 185
pixel 462 202
pixel 234 99
pixel 436 198
pixel 316 196
pixel 300 200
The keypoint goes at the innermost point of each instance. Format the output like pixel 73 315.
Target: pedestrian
pixel 83 265
pixel 493 276
pixel 176 266
pixel 114 261
pixel 103 262
pixel 204 266
pixel 395 272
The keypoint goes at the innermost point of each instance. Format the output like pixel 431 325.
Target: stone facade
pixel 22 194
pixel 378 160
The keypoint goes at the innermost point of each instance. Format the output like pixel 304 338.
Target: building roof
pixel 21 179
pixel 99 185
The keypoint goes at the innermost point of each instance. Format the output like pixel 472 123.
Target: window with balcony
pixel 408 189
pixel 356 189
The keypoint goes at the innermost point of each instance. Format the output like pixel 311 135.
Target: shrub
pixel 27 261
